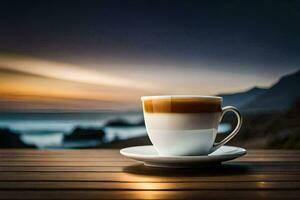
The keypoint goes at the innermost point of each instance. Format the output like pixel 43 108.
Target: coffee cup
pixel 186 125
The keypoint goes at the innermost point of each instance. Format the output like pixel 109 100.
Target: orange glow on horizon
pixel 67 72
pixel 43 83
pixel 31 81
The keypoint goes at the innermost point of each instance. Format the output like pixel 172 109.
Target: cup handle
pixel 236 129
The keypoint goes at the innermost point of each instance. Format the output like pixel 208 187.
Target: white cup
pixel 186 125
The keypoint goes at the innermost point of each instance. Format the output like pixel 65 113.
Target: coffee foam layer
pixel 182 105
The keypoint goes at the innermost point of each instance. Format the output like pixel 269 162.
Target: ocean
pixel 47 130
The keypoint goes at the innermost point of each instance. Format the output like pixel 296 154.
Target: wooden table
pixel 105 174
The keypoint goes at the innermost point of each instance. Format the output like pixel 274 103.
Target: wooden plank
pixel 60 169
pixel 121 159
pixel 109 163
pixel 97 152
pixel 118 155
pixel 270 159
pixel 129 177
pixel 149 186
pixel 247 167
pixel 12 160
pixel 100 152
pixel 208 194
pixel 64 159
pixel 76 156
pixel 109 156
pixel 63 164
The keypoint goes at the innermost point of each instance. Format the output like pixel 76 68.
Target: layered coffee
pixel 185 125
pixel 188 113
pixel 190 118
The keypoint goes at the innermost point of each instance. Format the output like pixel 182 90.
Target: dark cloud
pixel 262 35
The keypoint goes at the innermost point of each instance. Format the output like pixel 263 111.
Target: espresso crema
pixel 182 105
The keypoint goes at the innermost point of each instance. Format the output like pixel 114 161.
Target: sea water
pixel 46 130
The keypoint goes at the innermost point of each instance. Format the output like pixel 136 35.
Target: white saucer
pixel 149 156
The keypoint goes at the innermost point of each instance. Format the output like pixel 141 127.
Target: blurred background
pixel 72 72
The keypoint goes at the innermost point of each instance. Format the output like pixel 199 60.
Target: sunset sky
pixel 104 55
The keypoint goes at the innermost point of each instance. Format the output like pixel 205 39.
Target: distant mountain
pixel 242 98
pixel 280 96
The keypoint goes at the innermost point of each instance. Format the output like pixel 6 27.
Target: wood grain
pixel 205 194
pixel 105 174
pixel 98 185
